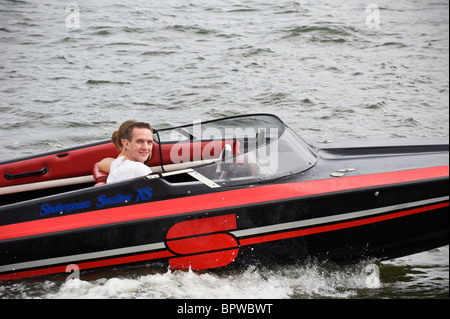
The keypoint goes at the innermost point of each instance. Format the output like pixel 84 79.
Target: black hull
pixel 374 222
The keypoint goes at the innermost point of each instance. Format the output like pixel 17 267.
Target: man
pixel 137 146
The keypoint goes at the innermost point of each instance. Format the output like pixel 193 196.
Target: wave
pixel 158 53
pixel 191 29
pixel 277 282
pixel 105 82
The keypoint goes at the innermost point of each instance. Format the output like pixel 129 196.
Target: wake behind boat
pixel 224 193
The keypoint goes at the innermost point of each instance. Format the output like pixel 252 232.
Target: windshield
pixel 239 149
pixel 228 128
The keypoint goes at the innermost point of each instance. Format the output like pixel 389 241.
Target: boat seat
pixel 99 176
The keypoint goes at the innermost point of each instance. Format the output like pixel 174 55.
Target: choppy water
pixel 423 275
pixel 325 67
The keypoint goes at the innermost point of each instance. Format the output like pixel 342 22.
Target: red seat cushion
pixel 99 176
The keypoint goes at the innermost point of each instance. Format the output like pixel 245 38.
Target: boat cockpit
pixel 231 151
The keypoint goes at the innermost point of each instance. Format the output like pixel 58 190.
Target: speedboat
pixel 224 193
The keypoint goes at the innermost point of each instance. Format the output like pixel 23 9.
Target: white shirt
pixel 122 169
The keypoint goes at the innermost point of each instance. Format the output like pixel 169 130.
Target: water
pixel 422 275
pixel 322 66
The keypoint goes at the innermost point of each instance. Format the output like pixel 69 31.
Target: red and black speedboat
pixel 224 193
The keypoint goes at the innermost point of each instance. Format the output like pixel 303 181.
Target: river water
pixel 71 72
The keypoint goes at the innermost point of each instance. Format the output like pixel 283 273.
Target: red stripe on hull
pixel 215 201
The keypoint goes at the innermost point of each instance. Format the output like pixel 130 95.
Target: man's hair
pixel 129 130
pixel 119 134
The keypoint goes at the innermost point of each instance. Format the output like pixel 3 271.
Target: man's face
pixel 141 145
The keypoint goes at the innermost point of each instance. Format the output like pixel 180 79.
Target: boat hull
pixel 382 216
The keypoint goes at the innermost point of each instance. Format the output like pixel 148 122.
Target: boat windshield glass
pixel 239 149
